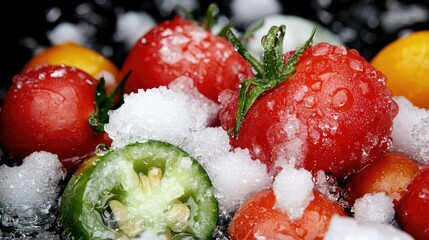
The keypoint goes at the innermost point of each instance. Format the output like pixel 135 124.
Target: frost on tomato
pixel 181 48
pixel 48 109
pixel 333 114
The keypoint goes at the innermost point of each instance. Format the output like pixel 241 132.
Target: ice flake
pixel 293 189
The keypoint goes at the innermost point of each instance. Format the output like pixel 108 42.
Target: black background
pixel 28 20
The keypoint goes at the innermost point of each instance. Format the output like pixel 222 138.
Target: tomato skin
pixel 390 174
pixel 413 210
pixel 257 217
pixel 48 109
pixel 335 108
pixel 181 48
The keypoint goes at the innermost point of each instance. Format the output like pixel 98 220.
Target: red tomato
pixel 333 114
pixel 257 217
pixel 48 109
pixel 391 174
pixel 413 210
pixel 181 48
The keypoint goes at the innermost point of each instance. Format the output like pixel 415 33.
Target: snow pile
pixel 294 191
pixel 341 228
pixel 410 133
pixel 374 208
pixel 29 193
pixel 182 116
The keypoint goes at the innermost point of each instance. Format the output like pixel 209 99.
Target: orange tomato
pixel 79 56
pixel 257 217
pixel 405 62
pixel 391 174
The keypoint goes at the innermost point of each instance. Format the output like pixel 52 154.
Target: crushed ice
pixel 29 193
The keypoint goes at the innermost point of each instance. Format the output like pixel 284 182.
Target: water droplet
pixel 101 149
pixel 341 50
pixel 342 98
pixel 356 65
pixel 320 49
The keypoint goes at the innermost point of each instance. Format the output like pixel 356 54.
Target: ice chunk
pixel 158 113
pixel 301 29
pixel 245 12
pixel 131 25
pixel 29 193
pixel 207 144
pixel 294 191
pixel 410 130
pixel 341 228
pixel 236 177
pixel 374 208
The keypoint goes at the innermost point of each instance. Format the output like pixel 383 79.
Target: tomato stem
pixel 270 73
pixel 104 103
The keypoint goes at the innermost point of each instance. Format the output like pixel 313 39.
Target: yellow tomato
pixel 78 56
pixel 405 62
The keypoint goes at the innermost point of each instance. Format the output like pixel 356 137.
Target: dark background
pixel 27 20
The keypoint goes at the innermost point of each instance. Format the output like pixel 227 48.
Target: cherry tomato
pixel 181 48
pixel 257 217
pixel 413 208
pixel 48 109
pixel 333 114
pixel 390 174
pixel 79 56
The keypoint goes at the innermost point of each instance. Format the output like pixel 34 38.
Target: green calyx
pixel 104 103
pixel 269 73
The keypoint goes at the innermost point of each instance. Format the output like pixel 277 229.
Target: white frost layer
pixel 341 228
pixel 410 134
pixel 298 30
pixel 374 208
pixel 293 189
pixel 182 116
pixel 131 25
